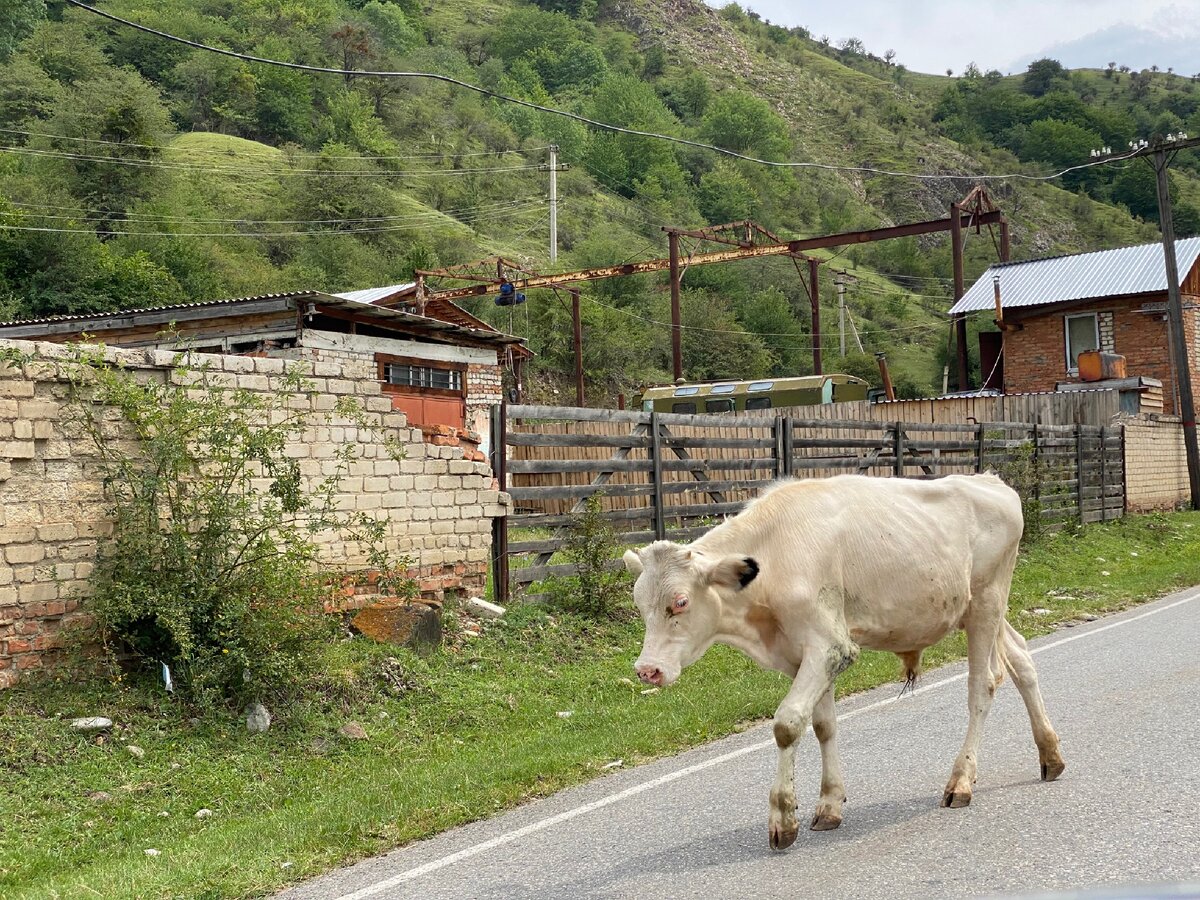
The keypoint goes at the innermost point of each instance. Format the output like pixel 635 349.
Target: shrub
pixel 598 589
pixel 212 566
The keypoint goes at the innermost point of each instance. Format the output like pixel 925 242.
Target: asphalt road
pixel 1122 692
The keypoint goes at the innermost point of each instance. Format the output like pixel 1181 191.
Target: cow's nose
pixel 650 674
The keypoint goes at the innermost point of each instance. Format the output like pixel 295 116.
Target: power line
pixel 155 218
pixel 230 152
pixel 255 234
pixel 432 76
pixel 243 170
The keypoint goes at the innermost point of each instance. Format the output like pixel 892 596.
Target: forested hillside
pixel 137 172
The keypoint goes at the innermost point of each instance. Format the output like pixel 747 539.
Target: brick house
pixel 1058 307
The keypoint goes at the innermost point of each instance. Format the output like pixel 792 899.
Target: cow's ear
pixel 633 563
pixel 732 572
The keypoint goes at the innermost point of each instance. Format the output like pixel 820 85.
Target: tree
pixel 1109 69
pixel 1042 76
pixel 889 57
pixel 393 29
pixel 725 195
pixel 118 107
pixel 743 123
pixel 17 19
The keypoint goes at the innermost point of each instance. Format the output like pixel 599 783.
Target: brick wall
pixel 1156 475
pixel 439 505
pixel 1035 356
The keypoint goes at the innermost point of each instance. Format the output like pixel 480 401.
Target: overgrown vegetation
pixel 213 567
pixel 453 737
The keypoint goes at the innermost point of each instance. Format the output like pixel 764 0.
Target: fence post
pixel 979 449
pixel 789 446
pixel 660 521
pixel 1037 469
pixel 1079 469
pixel 898 450
pixel 1103 476
pixel 498 449
pixel 780 450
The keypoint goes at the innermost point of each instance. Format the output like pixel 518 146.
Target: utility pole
pixel 1159 152
pixel 1187 409
pixel 554 168
pixel 578 330
pixel 676 333
pixel 814 297
pixel 960 324
pixel 840 282
pixel 554 204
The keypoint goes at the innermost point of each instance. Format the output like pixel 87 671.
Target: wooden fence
pixel 665 476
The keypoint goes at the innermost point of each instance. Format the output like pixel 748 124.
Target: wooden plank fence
pixel 661 475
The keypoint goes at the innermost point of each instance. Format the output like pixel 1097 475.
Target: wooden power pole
pixel 1179 351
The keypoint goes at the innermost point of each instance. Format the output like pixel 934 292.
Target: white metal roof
pixel 1080 276
pixel 370 295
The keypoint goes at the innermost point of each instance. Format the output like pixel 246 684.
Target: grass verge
pixel 454 737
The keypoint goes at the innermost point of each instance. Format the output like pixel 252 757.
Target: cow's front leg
pixel 814 679
pixel 828 814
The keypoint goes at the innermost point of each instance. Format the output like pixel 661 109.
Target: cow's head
pixel 679 594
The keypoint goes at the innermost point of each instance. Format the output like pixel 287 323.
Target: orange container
pixel 1097 365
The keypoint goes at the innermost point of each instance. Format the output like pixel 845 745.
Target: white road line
pixel 542 824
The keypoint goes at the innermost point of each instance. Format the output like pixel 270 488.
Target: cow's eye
pixel 679 604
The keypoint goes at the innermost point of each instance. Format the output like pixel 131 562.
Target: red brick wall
pixel 1035 356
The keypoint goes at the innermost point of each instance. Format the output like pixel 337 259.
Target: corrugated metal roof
pixel 88 317
pixel 1079 276
pixel 85 322
pixel 371 295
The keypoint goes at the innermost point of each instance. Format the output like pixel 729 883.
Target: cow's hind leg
pixel 983 631
pixel 1020 668
pixel 813 680
pixel 828 814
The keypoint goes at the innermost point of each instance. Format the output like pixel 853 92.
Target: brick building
pixel 1055 308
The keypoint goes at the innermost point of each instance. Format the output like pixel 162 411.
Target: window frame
pixel 1072 365
pixel 383 360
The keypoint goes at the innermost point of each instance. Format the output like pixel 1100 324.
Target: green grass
pixel 458 736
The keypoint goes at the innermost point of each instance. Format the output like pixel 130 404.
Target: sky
pixel 935 35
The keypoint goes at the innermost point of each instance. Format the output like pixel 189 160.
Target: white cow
pixel 812 570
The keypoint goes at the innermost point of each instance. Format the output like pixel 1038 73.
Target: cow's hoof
pixel 825 820
pixel 1052 768
pixel 956 799
pixel 782 838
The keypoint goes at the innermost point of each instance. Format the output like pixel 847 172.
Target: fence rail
pixel 661 475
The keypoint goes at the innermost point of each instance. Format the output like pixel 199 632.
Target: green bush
pixel 598 589
pixel 212 566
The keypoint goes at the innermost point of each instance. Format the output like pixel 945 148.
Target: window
pixel 683 408
pixel 686 391
pixel 761 386
pixel 408 375
pixel 1082 333
pixel 758 402
pixel 722 388
pixel 723 404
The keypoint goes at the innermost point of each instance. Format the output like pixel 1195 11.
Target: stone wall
pixel 1156 475
pixel 439 505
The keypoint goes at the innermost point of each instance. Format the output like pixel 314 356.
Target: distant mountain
pixel 1138 48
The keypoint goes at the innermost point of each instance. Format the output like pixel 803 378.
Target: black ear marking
pixel 749 573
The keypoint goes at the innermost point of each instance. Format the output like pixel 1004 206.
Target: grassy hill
pixel 136 171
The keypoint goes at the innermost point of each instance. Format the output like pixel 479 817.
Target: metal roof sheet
pixel 371 295
pixel 82 322
pixel 1079 276
pixel 89 317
